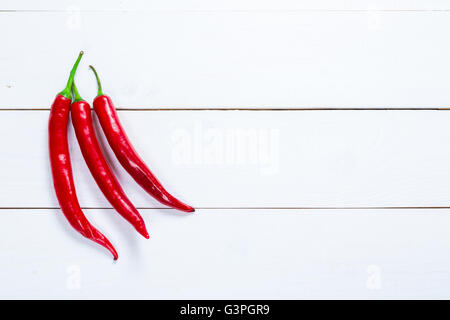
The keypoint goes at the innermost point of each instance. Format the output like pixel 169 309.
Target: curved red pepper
pixel 125 153
pixel 100 170
pixel 62 169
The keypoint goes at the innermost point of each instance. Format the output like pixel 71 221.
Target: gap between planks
pixel 231 11
pixel 254 109
pixel 251 208
pixel 247 208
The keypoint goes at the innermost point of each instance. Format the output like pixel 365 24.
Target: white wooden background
pixel 312 136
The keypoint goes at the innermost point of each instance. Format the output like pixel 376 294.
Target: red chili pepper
pixel 126 154
pixel 62 169
pixel 100 170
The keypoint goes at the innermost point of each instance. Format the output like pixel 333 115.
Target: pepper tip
pixel 144 233
pixel 142 230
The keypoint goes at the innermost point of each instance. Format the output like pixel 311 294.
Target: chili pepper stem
pixel 77 94
pixel 67 91
pixel 99 84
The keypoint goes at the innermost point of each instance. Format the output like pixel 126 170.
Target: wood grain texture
pixel 246 172
pixel 262 254
pixel 251 159
pixel 230 59
pixel 230 5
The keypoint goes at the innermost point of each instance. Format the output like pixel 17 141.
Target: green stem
pixel 77 94
pixel 99 92
pixel 67 91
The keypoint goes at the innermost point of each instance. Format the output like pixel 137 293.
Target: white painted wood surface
pixel 251 158
pixel 178 59
pixel 259 178
pixel 220 5
pixel 234 254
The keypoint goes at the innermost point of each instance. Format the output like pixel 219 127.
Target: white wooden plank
pixel 230 59
pixel 234 254
pixel 219 5
pixel 251 158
